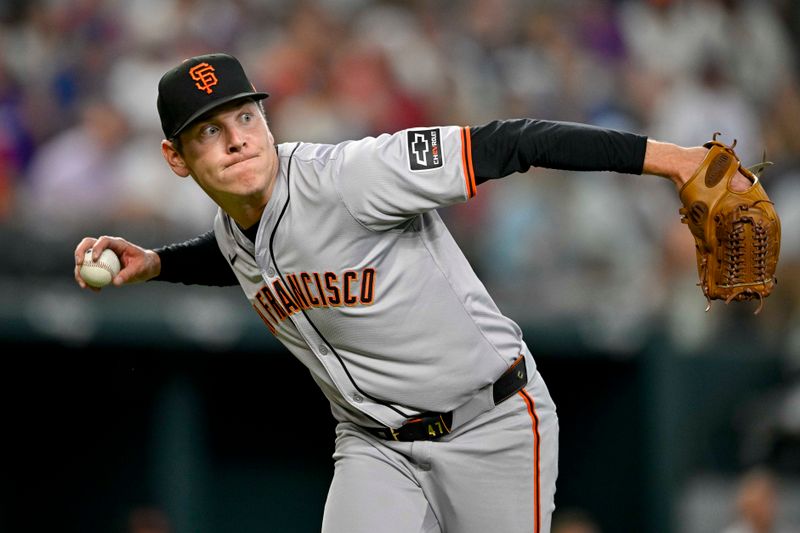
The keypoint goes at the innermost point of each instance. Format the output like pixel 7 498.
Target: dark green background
pixel 240 439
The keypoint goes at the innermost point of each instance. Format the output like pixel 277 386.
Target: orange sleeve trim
pixel 466 161
pixel 537 518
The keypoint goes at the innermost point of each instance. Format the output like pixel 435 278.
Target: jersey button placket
pixel 323 349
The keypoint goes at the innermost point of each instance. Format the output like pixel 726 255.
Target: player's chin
pixel 236 177
pixel 244 182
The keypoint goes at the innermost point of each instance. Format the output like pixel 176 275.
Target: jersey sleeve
pixel 197 261
pixel 503 147
pixel 389 179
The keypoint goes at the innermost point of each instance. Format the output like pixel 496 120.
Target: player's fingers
pixel 102 243
pixel 129 270
pixel 82 284
pixel 134 266
pixel 118 245
pixel 80 250
pixel 78 280
pixel 740 182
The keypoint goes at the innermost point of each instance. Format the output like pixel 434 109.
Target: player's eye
pixel 208 130
pixel 247 117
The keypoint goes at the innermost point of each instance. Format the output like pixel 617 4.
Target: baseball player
pixel 444 423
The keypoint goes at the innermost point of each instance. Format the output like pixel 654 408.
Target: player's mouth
pixel 241 160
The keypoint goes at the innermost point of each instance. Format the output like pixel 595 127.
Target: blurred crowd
pixel 605 253
pixel 599 255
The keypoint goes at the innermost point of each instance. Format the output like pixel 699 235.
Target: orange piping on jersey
pixel 515 363
pixel 537 518
pixel 466 161
pixel 468 135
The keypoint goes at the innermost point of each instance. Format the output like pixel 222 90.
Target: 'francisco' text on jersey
pixel 305 290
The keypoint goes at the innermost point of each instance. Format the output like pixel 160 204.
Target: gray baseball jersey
pixel 354 271
pixel 441 425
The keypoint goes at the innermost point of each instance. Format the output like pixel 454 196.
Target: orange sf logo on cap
pixel 203 74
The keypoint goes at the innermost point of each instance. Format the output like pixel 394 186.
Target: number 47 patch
pixel 424 150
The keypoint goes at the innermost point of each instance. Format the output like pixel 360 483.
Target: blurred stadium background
pixel 163 408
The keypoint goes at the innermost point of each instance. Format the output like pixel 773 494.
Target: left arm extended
pixel 503 147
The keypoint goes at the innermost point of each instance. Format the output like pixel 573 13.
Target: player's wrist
pixel 671 161
pixel 154 263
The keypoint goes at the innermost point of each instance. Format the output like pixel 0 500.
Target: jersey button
pixel 323 349
pixel 358 398
pixel 270 272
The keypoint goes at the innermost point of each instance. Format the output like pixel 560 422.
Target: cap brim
pixel 216 103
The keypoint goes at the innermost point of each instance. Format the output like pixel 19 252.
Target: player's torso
pixel 395 313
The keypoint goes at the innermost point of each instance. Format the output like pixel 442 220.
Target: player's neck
pixel 251 233
pixel 247 218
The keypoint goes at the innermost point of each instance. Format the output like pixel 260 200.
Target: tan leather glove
pixel 737 234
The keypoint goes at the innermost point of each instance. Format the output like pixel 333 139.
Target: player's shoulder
pixel 223 230
pixel 381 147
pixel 311 151
pixel 222 223
pixel 302 150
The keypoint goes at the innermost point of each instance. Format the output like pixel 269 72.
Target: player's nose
pixel 236 141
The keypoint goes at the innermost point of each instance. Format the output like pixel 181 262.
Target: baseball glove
pixel 737 234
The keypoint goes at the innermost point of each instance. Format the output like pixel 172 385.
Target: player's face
pixel 230 153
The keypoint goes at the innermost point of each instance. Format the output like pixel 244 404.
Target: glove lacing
pixel 735 255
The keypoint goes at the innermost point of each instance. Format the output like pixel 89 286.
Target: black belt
pixel 431 426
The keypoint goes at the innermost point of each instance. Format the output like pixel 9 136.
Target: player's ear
pixel 174 159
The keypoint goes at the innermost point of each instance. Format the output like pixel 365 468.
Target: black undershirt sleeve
pixel 197 261
pixel 503 147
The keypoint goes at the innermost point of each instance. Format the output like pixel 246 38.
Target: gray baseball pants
pixel 495 474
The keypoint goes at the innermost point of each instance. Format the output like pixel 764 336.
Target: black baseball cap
pixel 198 85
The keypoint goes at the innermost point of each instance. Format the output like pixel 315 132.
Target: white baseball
pixel 99 273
